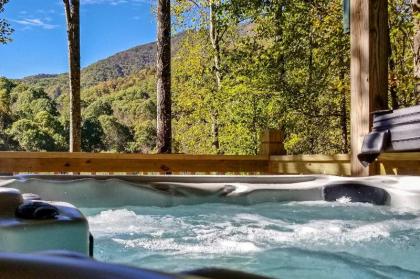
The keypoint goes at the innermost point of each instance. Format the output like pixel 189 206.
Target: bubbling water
pixel 284 240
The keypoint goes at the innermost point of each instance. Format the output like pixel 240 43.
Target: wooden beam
pixel 272 142
pixel 110 162
pixel 311 164
pixel 403 163
pixel 339 164
pixel 369 71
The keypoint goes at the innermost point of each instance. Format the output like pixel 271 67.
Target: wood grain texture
pixel 312 158
pixel 272 143
pixel 107 162
pixel 399 163
pixel 369 71
pixel 311 164
pixel 101 163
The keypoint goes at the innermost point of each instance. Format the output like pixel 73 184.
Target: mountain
pixel 40 76
pixel 121 64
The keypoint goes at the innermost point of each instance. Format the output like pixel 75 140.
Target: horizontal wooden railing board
pixel 110 162
pixel 312 158
pixel 404 163
pixel 127 156
pixel 338 164
pixel 64 162
pixel 341 169
pixel 400 156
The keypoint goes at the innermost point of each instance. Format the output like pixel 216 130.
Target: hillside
pixel 121 64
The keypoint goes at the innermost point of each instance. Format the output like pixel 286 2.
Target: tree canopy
pixel 5 29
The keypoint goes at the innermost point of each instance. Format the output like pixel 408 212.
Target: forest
pixel 238 68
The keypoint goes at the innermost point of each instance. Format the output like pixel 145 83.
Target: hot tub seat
pixel 355 192
pixel 28 225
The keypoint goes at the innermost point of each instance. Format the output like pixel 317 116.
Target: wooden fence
pixel 105 163
pixel 268 162
pixel 14 162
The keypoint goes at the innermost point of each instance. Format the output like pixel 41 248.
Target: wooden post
pixel 369 71
pixel 272 143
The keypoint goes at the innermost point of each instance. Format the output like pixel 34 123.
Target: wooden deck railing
pixel 311 164
pixel 106 163
pixel 407 163
pixel 269 162
pixel 14 162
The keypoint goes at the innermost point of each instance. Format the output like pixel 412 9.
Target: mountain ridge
pixel 120 64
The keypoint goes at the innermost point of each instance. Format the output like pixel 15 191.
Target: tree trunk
pixel 163 69
pixel 416 18
pixel 343 124
pixel 392 75
pixel 343 104
pixel 278 40
pixel 73 33
pixel 215 131
pixel 393 84
pixel 215 42
pixel 343 120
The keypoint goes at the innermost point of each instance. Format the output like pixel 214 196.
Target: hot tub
pixel 278 226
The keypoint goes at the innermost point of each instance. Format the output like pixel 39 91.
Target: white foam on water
pixel 210 246
pixel 114 222
pixel 236 233
pixel 341 202
pixel 344 199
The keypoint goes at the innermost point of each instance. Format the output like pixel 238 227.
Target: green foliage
pixel 28 101
pixel 37 135
pixel 92 135
pixel 130 106
pixel 144 137
pixel 285 66
pixel 29 119
pixel 5 29
pixel 117 136
pixel 6 118
pixel 118 115
pixel 98 108
pixel 401 65
pixel 6 87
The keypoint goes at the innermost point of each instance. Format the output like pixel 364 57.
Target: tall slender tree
pixel 5 29
pixel 216 18
pixel 216 35
pixel 416 17
pixel 163 69
pixel 73 33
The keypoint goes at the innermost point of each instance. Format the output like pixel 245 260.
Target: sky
pixel 40 40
